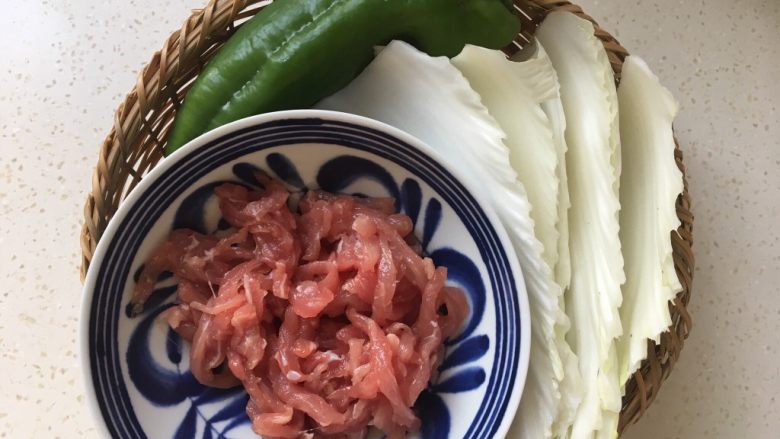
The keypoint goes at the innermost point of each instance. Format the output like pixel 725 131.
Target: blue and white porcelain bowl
pixel 136 369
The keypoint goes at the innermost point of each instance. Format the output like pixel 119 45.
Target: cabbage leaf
pixel 524 99
pixel 650 184
pixel 593 166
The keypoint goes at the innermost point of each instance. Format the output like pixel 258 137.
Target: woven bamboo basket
pixel 134 145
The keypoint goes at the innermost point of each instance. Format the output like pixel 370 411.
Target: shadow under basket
pixel 143 120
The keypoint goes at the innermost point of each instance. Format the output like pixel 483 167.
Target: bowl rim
pixel 326 115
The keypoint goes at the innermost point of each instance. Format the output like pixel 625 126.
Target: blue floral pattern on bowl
pixel 157 396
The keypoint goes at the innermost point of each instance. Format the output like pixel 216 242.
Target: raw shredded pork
pixel 330 318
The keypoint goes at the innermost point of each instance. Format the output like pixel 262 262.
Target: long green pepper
pixel 296 52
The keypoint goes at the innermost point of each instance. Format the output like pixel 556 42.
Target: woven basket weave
pixel 142 123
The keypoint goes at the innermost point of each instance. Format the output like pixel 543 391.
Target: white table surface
pixel 67 65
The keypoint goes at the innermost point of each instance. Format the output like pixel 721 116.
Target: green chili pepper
pixel 296 52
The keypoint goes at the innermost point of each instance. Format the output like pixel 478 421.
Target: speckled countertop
pixel 67 64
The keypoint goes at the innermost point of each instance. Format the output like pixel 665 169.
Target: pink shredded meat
pixel 330 318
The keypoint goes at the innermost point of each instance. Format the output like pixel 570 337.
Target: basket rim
pixel 125 156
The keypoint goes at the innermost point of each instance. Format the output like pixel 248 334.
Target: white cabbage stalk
pixel 571 386
pixel 523 98
pixel 430 99
pixel 649 188
pixel 593 166
pixel 512 92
